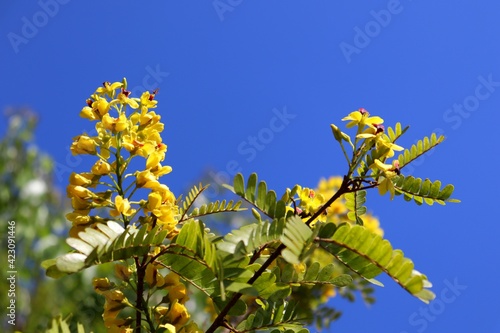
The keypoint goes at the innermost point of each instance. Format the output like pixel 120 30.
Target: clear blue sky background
pixel 224 72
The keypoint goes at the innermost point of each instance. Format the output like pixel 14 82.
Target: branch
pixel 219 321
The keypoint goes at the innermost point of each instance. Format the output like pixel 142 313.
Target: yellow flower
pixel 147 148
pixel 382 141
pixel 80 204
pixel 176 289
pixel 123 98
pixel 152 277
pixel 83 144
pixel 115 124
pixel 372 224
pixel 101 168
pixel 169 328
pixel 131 142
pixel 178 315
pixel 310 202
pixel 122 272
pixel 160 170
pixel 327 188
pixel 109 88
pixel 150 118
pixel 331 184
pixel 79 216
pixel 154 159
pixel 166 216
pixel 101 285
pixel 361 118
pixel 146 179
pixel 120 325
pixel 154 201
pixel 88 113
pixel 148 101
pixel 101 106
pixel 166 195
pixel 328 291
pixel 171 279
pixel 115 302
pixel 385 186
pixel 391 147
pixel 372 131
pixel 300 267
pixel 83 179
pixel 79 192
pixel 388 170
pixel 157 156
pixel 122 207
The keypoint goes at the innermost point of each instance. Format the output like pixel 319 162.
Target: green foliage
pixel 395 133
pixel 297 237
pixel 188 202
pixel 257 194
pixel 418 149
pixel 270 274
pixel 280 314
pixel 368 255
pixel 205 209
pixel 215 207
pixel 107 244
pixel 355 203
pixel 193 256
pixel 312 275
pixel 251 237
pixel 59 325
pixel 423 190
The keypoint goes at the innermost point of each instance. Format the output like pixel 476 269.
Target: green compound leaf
pixel 314 274
pixel 396 132
pixel 273 316
pixel 242 242
pixel 297 239
pixel 188 202
pixel 369 255
pixel 193 255
pixel 257 194
pixel 216 207
pixel 110 242
pixel 418 149
pixel 60 325
pixel 422 190
pixel 355 204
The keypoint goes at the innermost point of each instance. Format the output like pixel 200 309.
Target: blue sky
pixel 230 71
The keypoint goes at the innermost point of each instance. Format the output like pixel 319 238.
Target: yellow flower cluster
pixel 114 303
pixel 371 128
pixel 311 200
pixel 372 131
pixel 125 128
pixel 175 316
